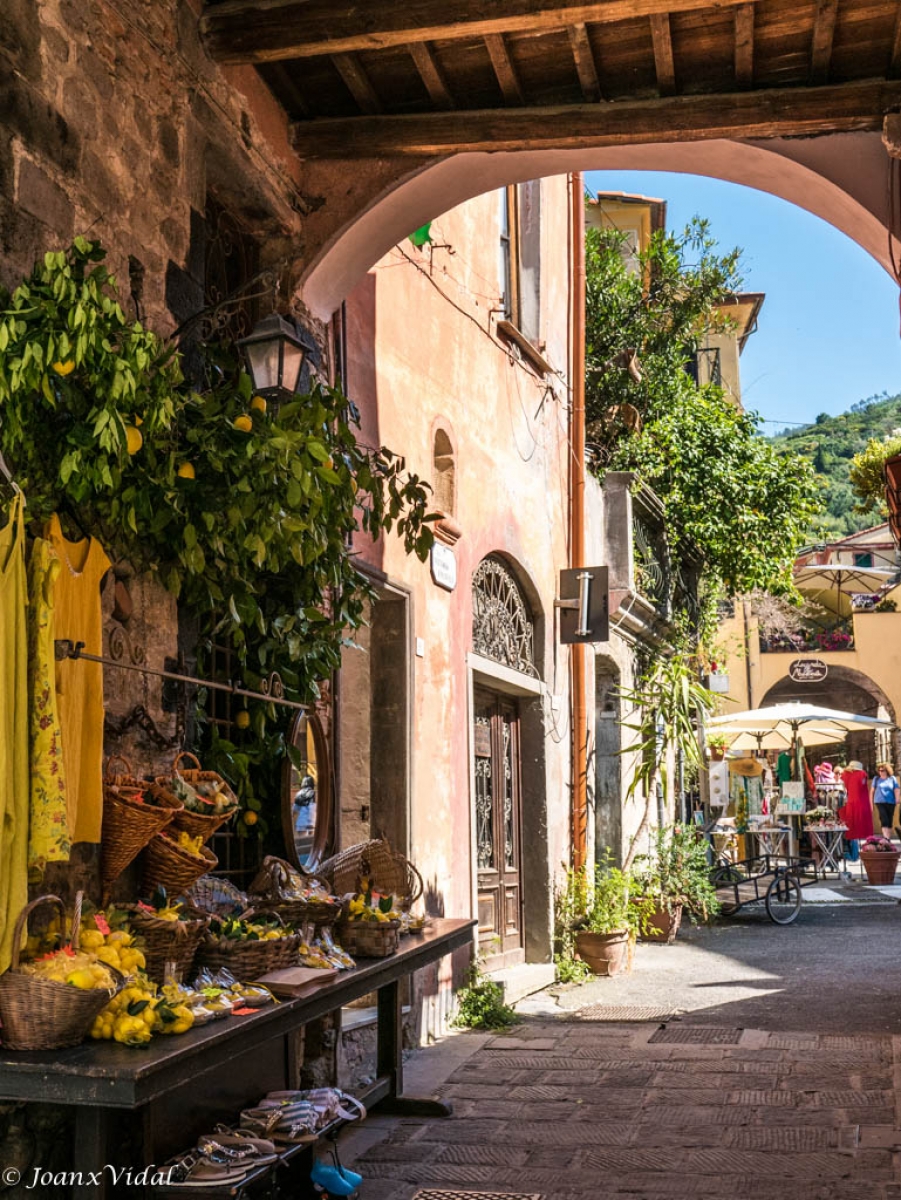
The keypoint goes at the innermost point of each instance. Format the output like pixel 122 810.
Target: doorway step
pixel 523 980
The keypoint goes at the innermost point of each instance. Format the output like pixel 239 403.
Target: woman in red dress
pixel 857 814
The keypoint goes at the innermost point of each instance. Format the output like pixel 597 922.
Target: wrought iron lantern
pixel 275 355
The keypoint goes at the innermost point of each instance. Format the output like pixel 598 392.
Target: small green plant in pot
pixel 605 932
pixel 674 877
pixel 717 745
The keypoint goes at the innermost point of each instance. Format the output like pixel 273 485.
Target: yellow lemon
pixel 134 439
pixel 258 403
pixel 139 421
pixel 242 720
pixel 250 818
pixel 81 979
pixel 186 471
pixel 244 423
pixel 64 368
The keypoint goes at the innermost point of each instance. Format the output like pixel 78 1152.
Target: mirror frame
pixel 323 798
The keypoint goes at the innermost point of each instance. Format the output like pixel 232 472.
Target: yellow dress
pixel 79 684
pixel 48 834
pixel 13 728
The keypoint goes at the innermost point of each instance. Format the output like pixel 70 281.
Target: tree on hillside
pixel 727 491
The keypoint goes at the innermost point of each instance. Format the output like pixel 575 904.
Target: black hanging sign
pixel 584 605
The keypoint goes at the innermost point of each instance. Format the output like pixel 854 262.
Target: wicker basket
pixel 368 939
pixel 273 886
pixel 248 960
pixel 168 943
pixel 388 872
pixel 41 1014
pixel 195 823
pixel 217 897
pixel 166 865
pixel 128 825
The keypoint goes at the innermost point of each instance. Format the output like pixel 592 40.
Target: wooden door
pixel 498 816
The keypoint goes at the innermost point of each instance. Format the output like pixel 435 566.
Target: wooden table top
pixel 110 1075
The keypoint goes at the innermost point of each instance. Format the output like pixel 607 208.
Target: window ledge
pixel 510 333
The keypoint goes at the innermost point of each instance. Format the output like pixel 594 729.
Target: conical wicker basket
pixel 42 1014
pixel 168 866
pixel 197 824
pixel 128 825
pixel 387 871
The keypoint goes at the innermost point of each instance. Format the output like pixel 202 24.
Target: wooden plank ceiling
pixel 440 76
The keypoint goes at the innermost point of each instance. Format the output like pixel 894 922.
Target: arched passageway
pixel 844 178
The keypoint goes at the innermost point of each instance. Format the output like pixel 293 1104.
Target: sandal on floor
pixel 293 1123
pixel 241 1147
pixel 197 1169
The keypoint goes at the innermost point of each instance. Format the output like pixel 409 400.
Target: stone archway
pixel 371 204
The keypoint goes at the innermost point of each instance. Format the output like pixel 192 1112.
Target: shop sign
pixel 808 670
pixel 444 566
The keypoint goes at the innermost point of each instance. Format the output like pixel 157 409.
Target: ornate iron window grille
pixel 502 627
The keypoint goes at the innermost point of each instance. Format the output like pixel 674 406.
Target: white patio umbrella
pixel 809 722
pixel 773 739
pixel 833 584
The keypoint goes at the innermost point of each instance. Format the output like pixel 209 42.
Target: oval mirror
pixel 306 797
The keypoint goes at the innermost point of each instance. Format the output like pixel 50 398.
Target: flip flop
pixel 195 1169
pixel 251 1151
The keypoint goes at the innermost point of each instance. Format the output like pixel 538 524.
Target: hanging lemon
pixel 186 471
pixel 244 423
pixel 134 439
pixel 250 818
pixel 258 403
pixel 64 368
pixel 242 720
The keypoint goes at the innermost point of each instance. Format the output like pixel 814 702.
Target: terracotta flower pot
pixel 605 953
pixel 663 924
pixel 880 865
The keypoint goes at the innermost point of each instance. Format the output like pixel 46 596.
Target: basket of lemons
pixel 173 860
pixel 249 946
pixel 51 1002
pixel 370 924
pixel 171 935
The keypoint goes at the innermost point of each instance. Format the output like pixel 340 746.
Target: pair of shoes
pixel 219 1159
pixel 334 1180
pixel 331 1104
pixel 293 1122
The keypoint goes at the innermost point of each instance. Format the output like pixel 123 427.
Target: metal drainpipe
pixel 577 518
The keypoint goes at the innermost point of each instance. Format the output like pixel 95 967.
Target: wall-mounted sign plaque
pixel 808 670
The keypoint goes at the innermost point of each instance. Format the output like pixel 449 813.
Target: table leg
pixel 92 1153
pixel 390 1062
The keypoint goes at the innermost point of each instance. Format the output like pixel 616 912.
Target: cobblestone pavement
pixel 571 1108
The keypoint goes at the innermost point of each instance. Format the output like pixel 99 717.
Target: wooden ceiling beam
pixel 776 112
pixel 663 54
pixel 358 84
pixel 823 35
pixel 585 64
pixel 894 69
pixel 503 69
pixel 431 74
pixel 744 46
pixel 241 31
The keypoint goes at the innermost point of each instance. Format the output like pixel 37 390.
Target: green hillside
pixel 830 444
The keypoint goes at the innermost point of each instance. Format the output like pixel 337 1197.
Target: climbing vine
pixel 245 515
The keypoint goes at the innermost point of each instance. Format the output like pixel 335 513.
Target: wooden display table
pixel 209 1074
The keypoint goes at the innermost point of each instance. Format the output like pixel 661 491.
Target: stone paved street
pixel 708 1104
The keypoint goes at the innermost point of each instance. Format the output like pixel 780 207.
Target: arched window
pixel 443 473
pixel 502 625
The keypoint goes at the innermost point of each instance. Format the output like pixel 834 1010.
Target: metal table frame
pixel 100 1079
pixel 829 843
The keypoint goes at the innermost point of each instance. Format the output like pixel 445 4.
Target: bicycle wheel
pixel 783 899
pixel 723 877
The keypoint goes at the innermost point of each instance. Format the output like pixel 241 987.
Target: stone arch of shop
pixel 842 178
pixel 494 682
pixel 848 690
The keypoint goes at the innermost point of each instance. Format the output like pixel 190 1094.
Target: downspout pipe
pixel 577 519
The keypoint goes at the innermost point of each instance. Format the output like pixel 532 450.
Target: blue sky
pixel 829 327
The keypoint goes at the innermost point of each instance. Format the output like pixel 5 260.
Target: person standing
pixel 885 794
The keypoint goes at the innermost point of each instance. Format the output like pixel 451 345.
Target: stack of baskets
pixel 42 1014
pixel 298 899
pixel 166 863
pixel 132 816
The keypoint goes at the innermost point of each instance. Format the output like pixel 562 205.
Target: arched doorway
pixel 847 690
pixel 505 800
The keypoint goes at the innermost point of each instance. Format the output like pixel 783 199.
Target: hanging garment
pixel 48 833
pixel 79 684
pixel 746 791
pixel 784 767
pixel 13 728
pixel 858 812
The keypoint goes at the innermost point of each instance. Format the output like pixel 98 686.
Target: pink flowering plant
pixel 879 843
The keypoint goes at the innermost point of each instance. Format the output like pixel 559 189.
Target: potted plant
pixel 880 859
pixel 717 745
pixel 672 878
pixel 605 931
